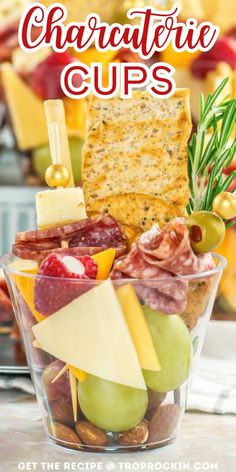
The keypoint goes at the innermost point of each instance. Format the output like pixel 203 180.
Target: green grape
pixel 173 345
pixel 42 159
pixel 111 406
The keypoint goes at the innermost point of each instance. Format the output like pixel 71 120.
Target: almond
pixel 163 423
pixel 90 434
pixel 61 412
pixel 135 436
pixel 154 400
pixel 62 432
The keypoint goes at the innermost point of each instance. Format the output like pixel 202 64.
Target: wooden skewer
pixel 56 122
pixel 64 244
pixel 61 373
pixel 58 140
pixel 60 154
pixel 73 389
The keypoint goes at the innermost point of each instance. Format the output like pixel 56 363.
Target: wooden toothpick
pixel 56 122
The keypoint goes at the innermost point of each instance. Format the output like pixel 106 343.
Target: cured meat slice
pixel 104 233
pixel 159 289
pixel 159 301
pixel 171 251
pixel 135 266
pixel 88 236
pixel 158 257
pixel 62 232
pixel 25 252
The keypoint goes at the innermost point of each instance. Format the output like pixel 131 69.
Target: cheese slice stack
pixel 90 333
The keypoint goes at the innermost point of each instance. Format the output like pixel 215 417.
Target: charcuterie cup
pixel 110 372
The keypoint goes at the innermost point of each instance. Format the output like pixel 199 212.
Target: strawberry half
pixel 51 294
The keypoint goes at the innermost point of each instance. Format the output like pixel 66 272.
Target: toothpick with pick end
pixel 58 175
pixel 74 398
pixel 58 139
pixel 61 373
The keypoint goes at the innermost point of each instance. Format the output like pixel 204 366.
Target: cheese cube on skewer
pixel 59 207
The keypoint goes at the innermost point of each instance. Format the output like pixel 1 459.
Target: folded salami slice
pixel 159 301
pixel 157 258
pixel 171 251
pixel 88 236
pixel 159 289
pixel 134 265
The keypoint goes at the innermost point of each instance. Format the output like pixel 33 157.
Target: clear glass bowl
pixel 111 415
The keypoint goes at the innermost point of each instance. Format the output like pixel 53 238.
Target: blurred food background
pixel 27 79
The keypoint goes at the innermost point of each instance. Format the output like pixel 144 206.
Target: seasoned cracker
pixel 139 211
pixel 138 146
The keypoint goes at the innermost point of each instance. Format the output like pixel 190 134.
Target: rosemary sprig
pixel 207 159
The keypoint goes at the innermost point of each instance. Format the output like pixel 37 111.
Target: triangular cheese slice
pixel 90 333
pixel 26 109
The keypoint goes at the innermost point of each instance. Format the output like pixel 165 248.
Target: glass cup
pixel 112 397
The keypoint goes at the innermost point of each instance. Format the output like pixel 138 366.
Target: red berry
pixel 224 50
pixel 55 292
pixel 45 79
pixel 91 268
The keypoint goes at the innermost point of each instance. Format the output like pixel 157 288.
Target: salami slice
pixel 157 258
pixel 88 236
pixel 104 233
pixel 24 252
pixel 159 301
pixel 61 233
pixel 159 289
pixel 135 266
pixel 172 251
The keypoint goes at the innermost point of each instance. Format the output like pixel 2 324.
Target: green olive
pixel 206 231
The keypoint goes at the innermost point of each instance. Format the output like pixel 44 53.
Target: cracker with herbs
pixel 136 210
pixel 137 147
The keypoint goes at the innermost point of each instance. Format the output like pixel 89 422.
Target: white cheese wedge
pixel 90 333
pixel 59 207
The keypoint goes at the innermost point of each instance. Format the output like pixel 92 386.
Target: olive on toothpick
pixel 206 231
